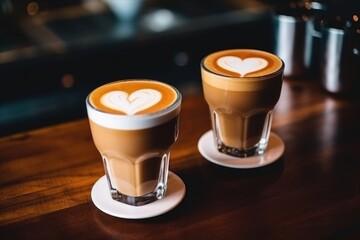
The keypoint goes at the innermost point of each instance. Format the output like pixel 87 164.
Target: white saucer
pixel 100 196
pixel 208 150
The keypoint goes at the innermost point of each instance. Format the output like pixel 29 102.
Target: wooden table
pixel 311 192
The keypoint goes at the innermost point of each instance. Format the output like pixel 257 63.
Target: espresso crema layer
pixel 133 104
pixel 240 66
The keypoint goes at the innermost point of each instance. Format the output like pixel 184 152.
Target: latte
pixel 249 66
pixel 241 87
pixel 133 97
pixel 134 123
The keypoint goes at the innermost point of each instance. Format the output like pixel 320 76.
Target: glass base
pixel 157 194
pixel 242 153
pixel 257 149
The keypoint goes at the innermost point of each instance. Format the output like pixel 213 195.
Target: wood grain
pixel 312 192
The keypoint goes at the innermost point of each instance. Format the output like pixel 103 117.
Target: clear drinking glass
pixel 241 87
pixel 134 124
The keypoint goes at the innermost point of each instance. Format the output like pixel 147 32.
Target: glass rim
pixel 161 112
pixel 244 79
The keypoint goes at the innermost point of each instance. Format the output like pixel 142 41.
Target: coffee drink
pixel 241 87
pixel 134 123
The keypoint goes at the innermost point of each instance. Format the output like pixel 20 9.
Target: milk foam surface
pixel 242 66
pixel 247 63
pixel 133 104
pixel 241 69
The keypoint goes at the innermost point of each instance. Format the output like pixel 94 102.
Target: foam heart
pixel 242 66
pixel 131 104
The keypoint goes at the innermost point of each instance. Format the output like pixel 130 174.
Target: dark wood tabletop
pixel 311 192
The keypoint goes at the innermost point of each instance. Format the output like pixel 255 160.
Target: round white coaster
pixel 100 196
pixel 208 150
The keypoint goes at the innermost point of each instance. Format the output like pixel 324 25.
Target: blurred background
pixel 53 53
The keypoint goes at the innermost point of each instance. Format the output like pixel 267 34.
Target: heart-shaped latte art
pixel 242 66
pixel 131 104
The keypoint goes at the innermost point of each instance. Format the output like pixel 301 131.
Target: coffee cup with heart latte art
pixel 134 124
pixel 241 87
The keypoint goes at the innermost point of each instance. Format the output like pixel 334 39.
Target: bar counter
pixel 311 192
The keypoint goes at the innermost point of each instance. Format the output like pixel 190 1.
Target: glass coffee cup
pixel 134 123
pixel 241 88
